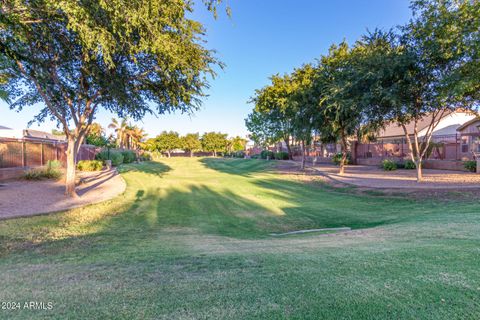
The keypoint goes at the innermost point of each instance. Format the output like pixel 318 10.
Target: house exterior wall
pixel 470 137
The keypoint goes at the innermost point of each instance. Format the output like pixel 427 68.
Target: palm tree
pixel 137 134
pixel 128 136
pixel 121 129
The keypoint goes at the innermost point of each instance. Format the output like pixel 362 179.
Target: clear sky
pixel 263 37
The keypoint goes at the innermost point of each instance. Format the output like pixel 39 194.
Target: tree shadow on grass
pixel 242 167
pixel 274 205
pixel 149 167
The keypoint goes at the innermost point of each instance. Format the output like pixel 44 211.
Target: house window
pixel 464 145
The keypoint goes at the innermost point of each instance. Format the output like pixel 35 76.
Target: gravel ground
pixel 373 177
pixel 24 198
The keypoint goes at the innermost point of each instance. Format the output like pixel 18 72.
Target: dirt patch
pixel 370 181
pixel 24 198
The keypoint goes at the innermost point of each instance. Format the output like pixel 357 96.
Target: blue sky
pixel 262 37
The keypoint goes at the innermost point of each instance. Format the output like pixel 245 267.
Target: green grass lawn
pixel 189 239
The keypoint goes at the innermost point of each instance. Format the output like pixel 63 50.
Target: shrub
pixel 281 155
pixel 115 156
pixel 409 165
pixel 389 165
pixel 51 171
pixel 90 165
pixel 470 165
pixel 266 153
pixel 338 157
pixel 255 156
pixel 53 164
pixel 145 157
pixel 129 156
pixel 239 154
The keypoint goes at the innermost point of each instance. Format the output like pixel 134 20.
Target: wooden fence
pixel 34 153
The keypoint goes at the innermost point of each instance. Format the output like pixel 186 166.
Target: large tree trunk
pixel 343 160
pixel 191 153
pixel 71 163
pixel 168 154
pixel 215 153
pixel 303 155
pixel 289 150
pixel 418 164
pixel 414 149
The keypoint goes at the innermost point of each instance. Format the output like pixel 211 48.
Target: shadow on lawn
pixel 243 167
pixel 228 213
pixel 273 205
pixel 150 167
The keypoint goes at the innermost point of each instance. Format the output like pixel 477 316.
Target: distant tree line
pixel 430 66
pixel 213 142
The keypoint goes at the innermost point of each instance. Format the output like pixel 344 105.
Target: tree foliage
pixel 214 142
pixel 236 144
pixel 422 70
pixel 167 141
pixel 128 57
pixel 191 143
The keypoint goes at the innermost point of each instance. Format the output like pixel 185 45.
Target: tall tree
pixel 167 142
pixel 96 135
pixel 340 116
pixel 237 144
pixel 263 129
pixel 129 57
pixel 424 73
pixel 121 130
pixel 304 101
pixel 214 142
pixel 191 143
pixel 273 103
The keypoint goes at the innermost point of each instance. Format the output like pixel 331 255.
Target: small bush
pixel 281 155
pixel 53 164
pixel 115 156
pixel 129 156
pixel 239 154
pixel 90 165
pixel 470 165
pixel 338 157
pixel 255 156
pixel 145 157
pixel 409 165
pixel 266 153
pixel 51 171
pixel 389 165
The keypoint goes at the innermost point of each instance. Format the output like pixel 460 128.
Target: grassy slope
pixel 189 239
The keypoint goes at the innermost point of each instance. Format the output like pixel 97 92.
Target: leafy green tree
pixel 128 57
pixel 341 115
pixel 214 142
pixel 237 144
pixel 273 103
pixel 167 142
pixel 191 143
pixel 304 102
pixel 263 128
pixel 96 135
pixel 427 71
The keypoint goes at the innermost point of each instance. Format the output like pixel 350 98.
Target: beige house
pixel 445 129
pixel 470 136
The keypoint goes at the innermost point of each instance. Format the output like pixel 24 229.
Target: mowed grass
pixel 189 239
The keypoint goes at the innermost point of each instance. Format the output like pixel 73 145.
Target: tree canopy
pixel 424 69
pixel 128 57
pixel 214 142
